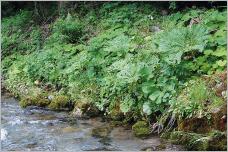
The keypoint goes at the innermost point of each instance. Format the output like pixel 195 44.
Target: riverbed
pixel 39 129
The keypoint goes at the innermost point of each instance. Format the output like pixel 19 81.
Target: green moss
pixel 217 102
pixel 24 103
pixel 141 129
pixel 87 108
pixel 165 135
pixel 199 144
pixel 218 140
pixel 215 140
pixel 116 115
pixel 180 137
pixel 42 102
pixel 115 123
pixel 59 102
pixel 37 100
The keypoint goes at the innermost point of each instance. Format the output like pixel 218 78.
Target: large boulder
pixel 59 102
pixel 141 129
pixel 213 141
pixel 35 100
pixel 83 108
pixel 217 121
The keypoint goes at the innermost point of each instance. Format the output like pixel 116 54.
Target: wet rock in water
pixel 149 149
pixel 69 129
pixel 103 148
pixel 46 117
pixel 120 133
pixel 31 145
pixel 141 129
pixel 161 147
pixel 101 132
pixel 69 120
pixel 76 112
pixel 105 141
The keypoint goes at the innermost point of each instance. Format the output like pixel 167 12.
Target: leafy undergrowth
pixel 123 56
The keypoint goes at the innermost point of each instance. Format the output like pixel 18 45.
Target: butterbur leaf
pixel 148 87
pixel 153 96
pixel 159 100
pixel 146 108
pixel 208 52
pixel 221 63
pixel 220 52
pixel 126 104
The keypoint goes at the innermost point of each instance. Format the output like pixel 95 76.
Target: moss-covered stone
pixel 116 115
pixel 59 102
pixel 25 102
pixel 165 135
pixel 36 100
pixel 85 109
pixel 201 144
pixel 218 140
pixel 197 125
pixel 218 117
pixel 215 140
pixel 192 141
pixel 141 129
pixel 205 125
pixel 180 137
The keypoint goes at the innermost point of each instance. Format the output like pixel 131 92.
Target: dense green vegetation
pixel 136 59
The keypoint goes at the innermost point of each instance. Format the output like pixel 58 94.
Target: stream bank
pixel 35 128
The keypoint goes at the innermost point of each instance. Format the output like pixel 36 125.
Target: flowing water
pixel 38 129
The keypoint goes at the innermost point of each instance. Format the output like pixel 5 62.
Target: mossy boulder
pixel 59 103
pixel 197 125
pixel 141 129
pixel 215 140
pixel 85 109
pixel 205 125
pixel 25 102
pixel 218 118
pixel 181 137
pixel 116 115
pixel 192 141
pixel 38 100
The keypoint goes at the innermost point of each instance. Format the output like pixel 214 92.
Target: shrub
pixel 70 28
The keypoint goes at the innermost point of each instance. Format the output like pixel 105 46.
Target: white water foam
pixel 4 133
pixel 16 122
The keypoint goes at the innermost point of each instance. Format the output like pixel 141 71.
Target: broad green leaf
pixel 153 96
pixel 221 63
pixel 146 108
pixel 220 52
